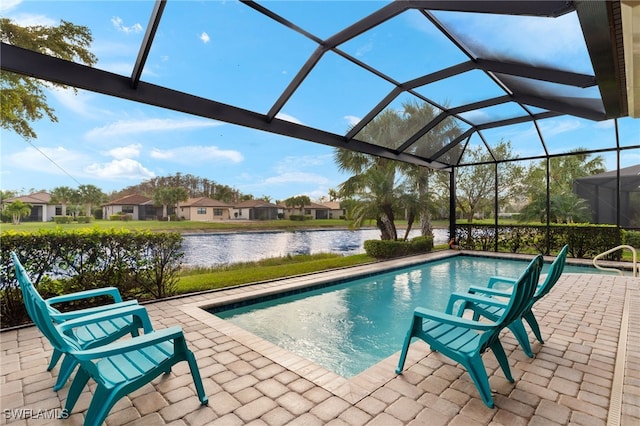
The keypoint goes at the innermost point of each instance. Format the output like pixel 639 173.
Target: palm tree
pixel 90 195
pixel 63 195
pixel 375 190
pixel 565 206
pixel 169 197
pixel 17 210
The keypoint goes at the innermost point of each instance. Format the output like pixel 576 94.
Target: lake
pixel 206 250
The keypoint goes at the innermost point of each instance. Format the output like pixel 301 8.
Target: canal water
pixel 207 250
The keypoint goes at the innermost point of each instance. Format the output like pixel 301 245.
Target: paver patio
pixel 587 372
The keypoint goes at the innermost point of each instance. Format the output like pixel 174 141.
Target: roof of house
pixel 333 205
pixel 254 204
pixel 41 197
pixel 130 200
pixel 204 202
pixel 312 205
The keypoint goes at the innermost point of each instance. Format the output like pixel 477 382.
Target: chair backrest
pixel 38 310
pixel 521 296
pixel 555 270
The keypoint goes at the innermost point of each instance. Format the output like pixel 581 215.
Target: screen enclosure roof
pixel 459 74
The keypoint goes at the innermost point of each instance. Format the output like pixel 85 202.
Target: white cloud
pixel 197 154
pixel 118 23
pixel 124 127
pixel 118 169
pixel 303 162
pixel 205 37
pixel 352 120
pixel 559 126
pixel 79 102
pixel 364 49
pixel 49 161
pixel 124 152
pixel 288 117
pixel 297 177
pixel 7 5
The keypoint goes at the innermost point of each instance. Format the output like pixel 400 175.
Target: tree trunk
pixel 426 229
pixel 410 218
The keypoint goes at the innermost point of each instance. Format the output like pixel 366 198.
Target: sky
pixel 230 53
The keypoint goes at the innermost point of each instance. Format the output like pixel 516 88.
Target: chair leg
pixel 55 357
pixel 531 319
pixel 478 374
pixel 78 384
pixel 66 369
pixel 197 380
pixel 102 402
pixel 405 345
pixel 501 356
pixel 517 328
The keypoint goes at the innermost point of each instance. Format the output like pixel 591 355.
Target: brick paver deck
pixel 586 373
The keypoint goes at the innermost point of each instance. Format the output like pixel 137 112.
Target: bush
pixel 387 249
pixel 585 240
pixel 83 219
pixel 421 244
pixel 297 217
pixel 62 219
pixel 632 238
pixel 142 265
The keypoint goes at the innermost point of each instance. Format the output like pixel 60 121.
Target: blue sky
pixel 230 53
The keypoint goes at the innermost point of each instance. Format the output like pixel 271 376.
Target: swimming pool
pixel 350 326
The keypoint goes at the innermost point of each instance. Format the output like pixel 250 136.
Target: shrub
pixel 62 219
pixel 297 217
pixel 585 240
pixel 142 265
pixel 632 238
pixel 83 219
pixel 422 244
pixel 387 249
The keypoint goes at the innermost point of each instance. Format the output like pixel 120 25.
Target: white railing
pixel 635 270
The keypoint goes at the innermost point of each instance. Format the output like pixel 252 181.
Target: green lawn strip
pixel 268 269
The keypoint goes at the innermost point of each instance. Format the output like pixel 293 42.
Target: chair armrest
pixel 129 345
pixel 133 310
pixel 106 291
pixel 453 320
pixel 489 291
pixel 503 280
pixel 65 316
pixel 471 298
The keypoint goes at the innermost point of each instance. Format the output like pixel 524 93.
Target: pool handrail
pixel 636 269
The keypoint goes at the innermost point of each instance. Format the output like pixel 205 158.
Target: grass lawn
pixel 268 269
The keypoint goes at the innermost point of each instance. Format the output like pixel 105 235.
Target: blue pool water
pixel 350 326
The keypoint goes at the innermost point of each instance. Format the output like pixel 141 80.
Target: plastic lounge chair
pixel 464 340
pixel 494 312
pixel 118 368
pixel 105 327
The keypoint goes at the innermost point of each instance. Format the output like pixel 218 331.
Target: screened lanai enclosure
pixel 456 87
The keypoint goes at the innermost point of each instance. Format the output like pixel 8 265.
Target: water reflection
pixel 206 250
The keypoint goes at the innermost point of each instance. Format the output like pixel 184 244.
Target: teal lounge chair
pixel 101 330
pixel 494 311
pixel 118 368
pixel 464 340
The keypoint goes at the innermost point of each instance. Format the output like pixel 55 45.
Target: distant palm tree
pixel 17 210
pixel 63 195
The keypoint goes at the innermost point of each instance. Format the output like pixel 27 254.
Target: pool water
pixel 350 326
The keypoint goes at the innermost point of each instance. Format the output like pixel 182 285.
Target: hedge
pixel 585 240
pixel 387 249
pixel 141 264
